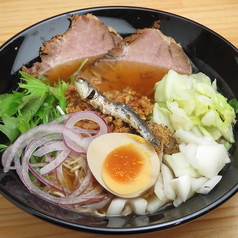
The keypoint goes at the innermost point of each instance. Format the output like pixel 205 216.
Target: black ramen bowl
pixel 209 52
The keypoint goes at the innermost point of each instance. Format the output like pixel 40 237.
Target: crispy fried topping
pixel 141 105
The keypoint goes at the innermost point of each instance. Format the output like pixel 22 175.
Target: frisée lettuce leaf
pixel 192 103
pixel 34 105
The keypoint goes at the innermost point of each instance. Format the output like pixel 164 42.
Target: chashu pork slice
pixel 150 46
pixel 87 37
pixel 148 52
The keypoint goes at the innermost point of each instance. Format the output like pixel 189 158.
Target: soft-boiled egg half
pixel 124 164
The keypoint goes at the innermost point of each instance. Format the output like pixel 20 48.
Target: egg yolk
pixel 126 169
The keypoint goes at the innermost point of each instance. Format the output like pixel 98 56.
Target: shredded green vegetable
pixel 35 104
pixel 192 103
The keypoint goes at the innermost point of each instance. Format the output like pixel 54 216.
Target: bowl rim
pixel 129 230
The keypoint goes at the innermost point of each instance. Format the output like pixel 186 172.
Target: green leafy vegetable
pixel 234 103
pixel 9 104
pixel 35 104
pixel 192 103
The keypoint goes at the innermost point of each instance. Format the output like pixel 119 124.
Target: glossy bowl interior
pixel 209 52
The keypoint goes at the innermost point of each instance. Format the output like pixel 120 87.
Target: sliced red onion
pixel 93 195
pixel 24 172
pixel 48 158
pixel 50 147
pixel 86 132
pixel 23 140
pixel 5 158
pixel 36 142
pixel 55 163
pixel 85 183
pixel 61 180
pixel 99 204
pixel 45 181
pixel 74 146
pixel 87 115
pixel 84 115
pixel 65 140
pixel 61 118
pixel 38 165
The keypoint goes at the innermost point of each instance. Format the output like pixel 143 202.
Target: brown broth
pixel 117 75
pixel 113 75
pixel 65 70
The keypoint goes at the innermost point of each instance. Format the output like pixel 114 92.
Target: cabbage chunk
pixel 192 102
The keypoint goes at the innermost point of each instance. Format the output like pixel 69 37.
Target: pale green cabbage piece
pixel 192 102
